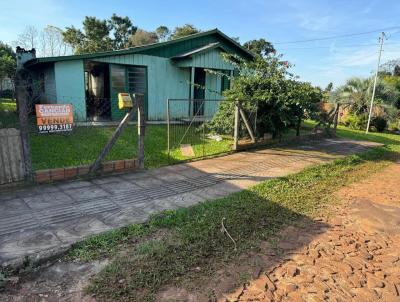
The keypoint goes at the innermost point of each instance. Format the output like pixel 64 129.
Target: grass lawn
pixel 8 116
pixel 83 145
pixel 193 237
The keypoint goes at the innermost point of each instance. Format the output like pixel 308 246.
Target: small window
pixel 225 81
pixel 118 78
pixel 137 79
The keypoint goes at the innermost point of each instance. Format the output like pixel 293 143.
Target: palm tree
pixel 357 93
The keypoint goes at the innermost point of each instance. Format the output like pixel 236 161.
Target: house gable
pixel 166 49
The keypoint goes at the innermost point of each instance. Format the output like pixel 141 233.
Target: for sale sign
pixel 54 117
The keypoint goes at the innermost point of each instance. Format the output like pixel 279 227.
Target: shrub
pixel 8 94
pixel 380 123
pixel 357 122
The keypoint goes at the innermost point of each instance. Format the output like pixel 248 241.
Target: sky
pixel 280 21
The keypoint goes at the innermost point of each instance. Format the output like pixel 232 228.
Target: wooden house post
pixel 23 114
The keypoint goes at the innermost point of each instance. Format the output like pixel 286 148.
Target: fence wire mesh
pixel 190 132
pixel 94 122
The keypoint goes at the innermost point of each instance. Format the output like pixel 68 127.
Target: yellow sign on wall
pixel 124 101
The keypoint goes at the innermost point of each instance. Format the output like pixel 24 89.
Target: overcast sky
pixel 277 21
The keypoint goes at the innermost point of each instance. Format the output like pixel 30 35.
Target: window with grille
pixel 137 79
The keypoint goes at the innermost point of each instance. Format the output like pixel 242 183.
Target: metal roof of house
pixel 153 47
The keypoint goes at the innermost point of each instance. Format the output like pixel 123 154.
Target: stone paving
pixel 40 221
pixel 353 256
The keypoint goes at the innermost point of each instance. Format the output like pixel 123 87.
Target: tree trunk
pixel 298 125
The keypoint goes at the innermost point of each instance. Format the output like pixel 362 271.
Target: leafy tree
pixel 96 34
pixel 260 47
pixel 183 31
pixel 122 29
pixel 142 37
pixel 329 87
pixel 266 83
pixel 396 71
pixel 162 33
pixel 303 102
pixel 7 62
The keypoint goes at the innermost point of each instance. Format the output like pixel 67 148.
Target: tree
pixel 28 38
pixel 183 31
pixel 142 37
pixel 7 63
pixel 260 47
pixel 329 87
pixel 356 92
pixel 162 33
pixel 282 102
pixel 396 71
pixel 52 42
pixel 122 29
pixel 303 102
pixel 100 35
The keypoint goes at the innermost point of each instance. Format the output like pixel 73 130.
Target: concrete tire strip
pixel 45 220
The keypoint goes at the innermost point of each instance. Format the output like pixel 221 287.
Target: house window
pixel 225 81
pixel 118 78
pixel 136 79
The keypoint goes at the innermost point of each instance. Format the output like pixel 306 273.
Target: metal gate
pixel 11 156
pixel 189 135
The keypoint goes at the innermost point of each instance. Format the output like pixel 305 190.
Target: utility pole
pixel 381 39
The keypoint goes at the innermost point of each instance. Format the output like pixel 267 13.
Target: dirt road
pixel 356 259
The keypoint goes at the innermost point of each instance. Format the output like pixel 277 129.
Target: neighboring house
pixel 162 70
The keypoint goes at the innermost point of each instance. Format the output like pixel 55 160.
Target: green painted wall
pixel 49 96
pixel 209 59
pixel 180 47
pixel 164 81
pixel 70 86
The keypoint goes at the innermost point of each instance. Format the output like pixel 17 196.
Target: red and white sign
pixel 52 118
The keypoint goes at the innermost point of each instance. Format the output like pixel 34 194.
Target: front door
pixel 199 91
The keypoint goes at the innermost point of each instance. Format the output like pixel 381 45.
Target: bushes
pixel 281 100
pixel 380 123
pixel 357 122
pixel 7 94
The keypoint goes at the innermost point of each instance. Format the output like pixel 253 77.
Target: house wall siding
pixel 50 92
pixel 211 59
pixel 164 81
pixel 70 87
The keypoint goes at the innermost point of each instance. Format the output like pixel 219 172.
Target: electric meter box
pixel 125 101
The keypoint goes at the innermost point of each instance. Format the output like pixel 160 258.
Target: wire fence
pixel 190 132
pixel 59 143
pixel 193 128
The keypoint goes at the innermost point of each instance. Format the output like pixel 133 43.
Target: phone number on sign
pixel 55 128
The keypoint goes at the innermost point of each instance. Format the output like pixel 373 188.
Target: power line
pixel 337 36
pixel 337 47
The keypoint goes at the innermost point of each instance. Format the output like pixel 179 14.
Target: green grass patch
pixel 252 216
pixel 83 145
pixel 8 114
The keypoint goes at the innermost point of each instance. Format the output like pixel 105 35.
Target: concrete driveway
pixel 44 220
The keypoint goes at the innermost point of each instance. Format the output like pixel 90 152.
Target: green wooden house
pixel 160 71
